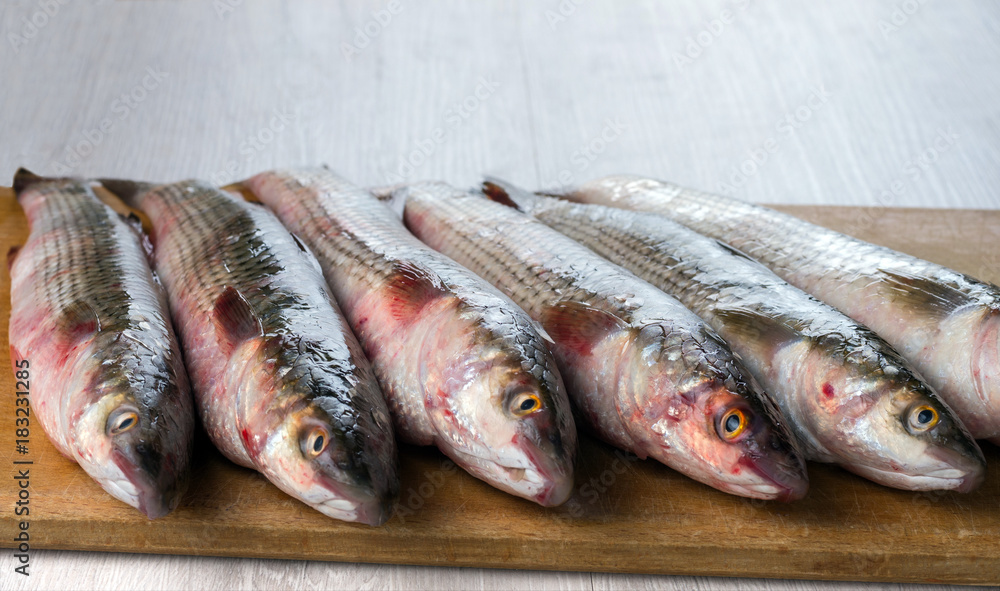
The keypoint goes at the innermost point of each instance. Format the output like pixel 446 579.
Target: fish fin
pixel 735 251
pixel 409 290
pixel 578 326
pixel 235 319
pixel 132 221
pixel 309 253
pixel 385 193
pixel 145 241
pixel 78 321
pixel 130 192
pixel 15 356
pixel 393 196
pixel 509 194
pixel 753 325
pixel 542 333
pixel 935 297
pixel 23 179
pixel 12 256
pixel 562 192
pixel 298 242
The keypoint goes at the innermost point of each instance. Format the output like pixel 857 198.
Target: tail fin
pixel 509 194
pixel 385 192
pixel 393 196
pixel 24 179
pixel 131 192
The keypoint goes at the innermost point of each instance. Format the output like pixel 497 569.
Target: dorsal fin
pixel 927 295
pixel 579 326
pixel 234 319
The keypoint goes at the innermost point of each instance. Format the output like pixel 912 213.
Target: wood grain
pixel 626 515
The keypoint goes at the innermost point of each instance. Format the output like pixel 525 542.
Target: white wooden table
pixel 862 102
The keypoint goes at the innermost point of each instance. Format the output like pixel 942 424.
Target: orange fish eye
pixel 733 424
pixel 316 442
pixel 123 422
pixel 923 418
pixel 524 404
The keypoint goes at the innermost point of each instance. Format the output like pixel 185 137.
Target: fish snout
pixel 354 501
pixel 152 487
pixel 555 490
pixel 375 511
pixel 966 471
pixel 552 470
pixel 779 479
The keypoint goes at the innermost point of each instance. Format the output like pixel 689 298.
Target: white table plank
pixel 890 95
pixel 111 571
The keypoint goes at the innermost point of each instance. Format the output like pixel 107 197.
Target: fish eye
pixel 923 418
pixel 524 404
pixel 733 424
pixel 315 442
pixel 122 422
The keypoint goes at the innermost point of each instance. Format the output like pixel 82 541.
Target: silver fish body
pixel 945 323
pixel 280 382
pixel 850 397
pixel 645 373
pixel 461 365
pixel 91 339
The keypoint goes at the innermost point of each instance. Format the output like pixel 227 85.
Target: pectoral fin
pixel 753 329
pixel 234 319
pixel 927 295
pixel 409 290
pixel 78 321
pixel 578 326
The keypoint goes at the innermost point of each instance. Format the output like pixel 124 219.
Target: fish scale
pixel 452 353
pixel 645 373
pixel 88 316
pixel 774 327
pixel 274 366
pixel 945 323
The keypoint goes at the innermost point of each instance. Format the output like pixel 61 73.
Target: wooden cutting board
pixel 626 515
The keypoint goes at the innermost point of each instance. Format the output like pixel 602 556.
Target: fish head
pixel 720 429
pixel 508 423
pixel 985 362
pixel 900 433
pixel 137 444
pixel 325 438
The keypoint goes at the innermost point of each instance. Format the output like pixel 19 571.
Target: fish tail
pixel 131 192
pixel 385 193
pixel 393 196
pixel 509 194
pixel 24 179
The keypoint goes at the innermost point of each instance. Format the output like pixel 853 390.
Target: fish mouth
pixel 950 470
pixel 549 487
pixel 777 482
pixel 139 489
pixel 351 502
